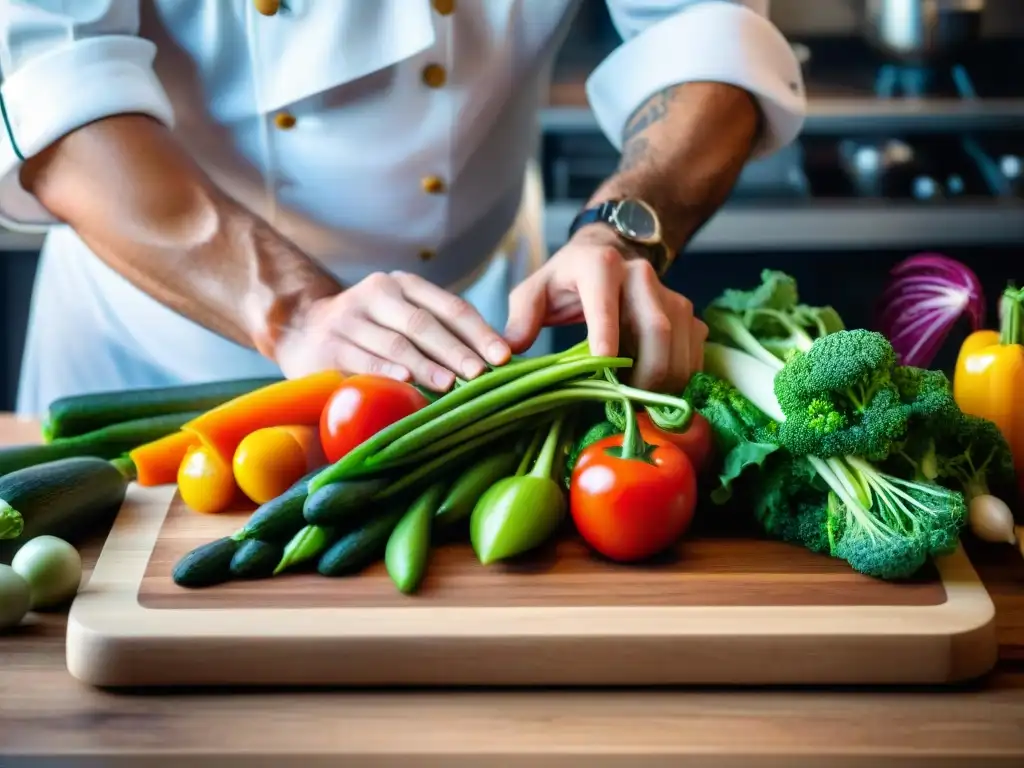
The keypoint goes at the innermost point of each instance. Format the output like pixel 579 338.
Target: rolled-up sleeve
pixel 64 65
pixel 670 42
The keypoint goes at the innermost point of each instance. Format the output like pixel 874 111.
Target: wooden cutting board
pixel 719 610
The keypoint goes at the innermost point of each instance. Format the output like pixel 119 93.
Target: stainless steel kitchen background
pixel 894 160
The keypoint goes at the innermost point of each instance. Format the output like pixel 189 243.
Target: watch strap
pixel 599 214
pixel 658 255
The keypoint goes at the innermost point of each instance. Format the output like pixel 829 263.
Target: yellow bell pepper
pixel 989 377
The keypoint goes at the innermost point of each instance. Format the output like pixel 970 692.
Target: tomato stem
pixel 546 461
pixel 633 444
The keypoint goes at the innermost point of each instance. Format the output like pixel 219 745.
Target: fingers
pixel 390 309
pixel 458 315
pixel 652 328
pixel 599 288
pixel 404 356
pixel 351 358
pixel 527 306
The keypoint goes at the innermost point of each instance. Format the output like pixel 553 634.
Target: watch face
pixel 636 220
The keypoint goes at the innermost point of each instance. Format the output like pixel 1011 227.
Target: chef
pixel 235 188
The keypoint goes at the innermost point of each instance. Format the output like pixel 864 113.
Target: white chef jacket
pixel 376 134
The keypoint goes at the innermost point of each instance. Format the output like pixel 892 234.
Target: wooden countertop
pixel 46 713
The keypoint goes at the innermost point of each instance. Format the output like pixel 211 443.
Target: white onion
pixel 991 520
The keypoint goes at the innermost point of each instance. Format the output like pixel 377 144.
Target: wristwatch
pixel 634 221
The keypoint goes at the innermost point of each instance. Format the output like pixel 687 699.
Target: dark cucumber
pixel 207 565
pixel 361 547
pixel 78 414
pixel 255 559
pixel 106 443
pixel 69 498
pixel 341 502
pixel 280 518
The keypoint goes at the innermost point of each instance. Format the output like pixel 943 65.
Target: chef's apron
pixel 76 344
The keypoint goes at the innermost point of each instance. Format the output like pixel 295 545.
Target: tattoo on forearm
pixel 633 153
pixel 653 111
pixel 634 144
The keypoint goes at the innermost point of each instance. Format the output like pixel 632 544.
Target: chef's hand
pixel 626 308
pixel 397 325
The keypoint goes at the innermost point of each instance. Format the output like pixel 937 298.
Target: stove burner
pixel 909 81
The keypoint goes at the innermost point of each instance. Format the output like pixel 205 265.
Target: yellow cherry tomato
pixel 205 481
pixel 270 460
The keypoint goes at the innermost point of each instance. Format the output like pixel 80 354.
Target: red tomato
pixel 632 509
pixel 696 441
pixel 361 407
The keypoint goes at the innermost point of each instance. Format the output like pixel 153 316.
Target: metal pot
pixel 922 31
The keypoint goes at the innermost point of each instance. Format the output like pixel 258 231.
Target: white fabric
pixel 345 182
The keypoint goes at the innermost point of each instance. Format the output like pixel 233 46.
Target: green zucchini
pixel 107 443
pixel 339 503
pixel 206 565
pixel 78 414
pixel 256 559
pixel 359 548
pixel 69 498
pixel 280 518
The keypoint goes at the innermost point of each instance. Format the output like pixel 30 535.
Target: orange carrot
pixel 284 403
pixel 157 462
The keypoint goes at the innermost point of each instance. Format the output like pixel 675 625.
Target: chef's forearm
pixel 682 153
pixel 140 203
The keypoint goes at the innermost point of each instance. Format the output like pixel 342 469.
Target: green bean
pixel 462 405
pixel 576 392
pixel 444 461
pixel 305 545
pixel 490 402
pixel 458 503
pixel 408 547
pixel 352 462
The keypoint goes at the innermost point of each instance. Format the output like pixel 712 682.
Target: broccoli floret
pixel 789 503
pixel 732 417
pixel 972 452
pixel 839 397
pixel 926 395
pixel 885 526
pixel 768 322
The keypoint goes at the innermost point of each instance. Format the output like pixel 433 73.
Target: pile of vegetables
pixel 837 447
pixel 487 460
pixel 837 440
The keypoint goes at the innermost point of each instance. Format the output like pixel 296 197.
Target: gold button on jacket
pixel 267 7
pixel 284 120
pixel 434 75
pixel 433 185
